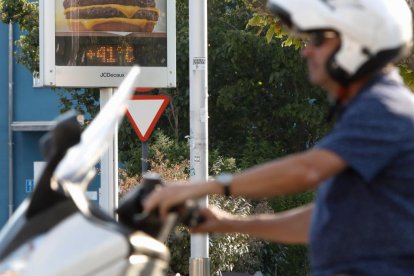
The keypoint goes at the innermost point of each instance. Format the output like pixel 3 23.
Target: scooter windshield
pixel 95 139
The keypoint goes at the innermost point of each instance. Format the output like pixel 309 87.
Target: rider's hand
pixel 215 220
pixel 169 196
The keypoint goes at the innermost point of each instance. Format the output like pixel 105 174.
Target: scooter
pixel 58 231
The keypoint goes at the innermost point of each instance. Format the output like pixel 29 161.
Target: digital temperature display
pixel 110 55
pixel 111 51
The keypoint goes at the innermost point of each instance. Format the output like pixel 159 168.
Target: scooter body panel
pixel 13 226
pixel 85 247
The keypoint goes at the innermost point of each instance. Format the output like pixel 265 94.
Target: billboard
pixel 93 43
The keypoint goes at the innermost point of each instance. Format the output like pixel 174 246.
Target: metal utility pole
pixel 108 196
pixel 10 122
pixel 199 260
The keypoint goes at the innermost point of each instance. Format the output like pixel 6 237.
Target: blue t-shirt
pixel 363 222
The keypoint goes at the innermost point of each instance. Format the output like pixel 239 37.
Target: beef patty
pixel 82 3
pixel 108 12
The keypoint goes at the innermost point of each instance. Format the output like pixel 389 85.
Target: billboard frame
pixel 99 76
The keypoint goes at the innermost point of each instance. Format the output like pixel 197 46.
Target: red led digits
pixel 109 54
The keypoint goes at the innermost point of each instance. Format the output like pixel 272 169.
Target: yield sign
pixel 144 112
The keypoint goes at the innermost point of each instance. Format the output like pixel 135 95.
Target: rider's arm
pixel 294 173
pixel 286 227
pixel 291 174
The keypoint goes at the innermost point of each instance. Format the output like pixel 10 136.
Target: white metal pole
pixel 199 260
pixel 108 193
pixel 10 121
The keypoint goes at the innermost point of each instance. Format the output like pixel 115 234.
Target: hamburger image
pixel 111 15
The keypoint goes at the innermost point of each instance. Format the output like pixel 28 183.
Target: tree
pixel 25 14
pixel 262 105
pixel 272 26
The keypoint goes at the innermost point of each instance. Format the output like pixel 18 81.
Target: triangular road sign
pixel 144 112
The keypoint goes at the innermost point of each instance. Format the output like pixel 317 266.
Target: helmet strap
pixel 341 97
pixel 342 94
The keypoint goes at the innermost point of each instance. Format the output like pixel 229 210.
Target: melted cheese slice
pixel 90 23
pixel 129 11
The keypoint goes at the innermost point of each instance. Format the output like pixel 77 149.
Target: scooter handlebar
pixel 131 211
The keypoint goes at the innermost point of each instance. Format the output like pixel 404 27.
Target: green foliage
pixel 284 203
pixel 293 261
pixel 25 14
pixel 230 247
pixel 267 24
pixel 261 103
pixel 219 163
pixel 229 252
pixel 17 11
pixel 85 101
pixel 164 153
pixel 408 75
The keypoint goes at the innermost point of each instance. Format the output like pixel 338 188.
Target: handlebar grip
pixel 193 217
pixel 131 212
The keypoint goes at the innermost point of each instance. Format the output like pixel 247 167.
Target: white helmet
pixel 372 32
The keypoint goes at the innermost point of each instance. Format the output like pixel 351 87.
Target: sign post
pixel 108 193
pixel 145 157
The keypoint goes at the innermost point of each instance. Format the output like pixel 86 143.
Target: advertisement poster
pixel 111 33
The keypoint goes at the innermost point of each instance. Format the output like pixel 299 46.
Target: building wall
pixel 3 124
pixel 30 104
